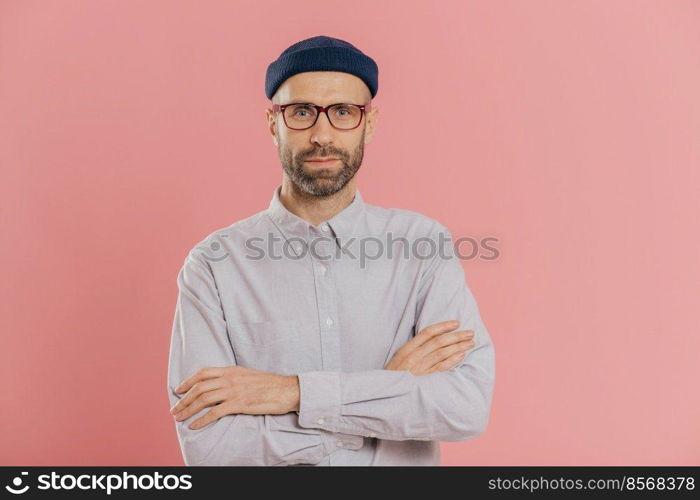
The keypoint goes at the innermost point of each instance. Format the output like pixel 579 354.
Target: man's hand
pixel 235 389
pixel 433 349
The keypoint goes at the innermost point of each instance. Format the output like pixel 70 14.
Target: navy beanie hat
pixel 321 53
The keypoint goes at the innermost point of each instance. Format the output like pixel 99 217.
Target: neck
pixel 315 209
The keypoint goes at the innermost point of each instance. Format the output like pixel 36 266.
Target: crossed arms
pixel 438 386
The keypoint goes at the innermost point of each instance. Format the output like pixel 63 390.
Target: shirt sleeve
pixel 452 405
pixel 200 339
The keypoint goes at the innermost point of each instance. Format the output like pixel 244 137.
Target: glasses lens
pixel 300 115
pixel 345 116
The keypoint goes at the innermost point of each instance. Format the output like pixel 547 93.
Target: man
pixel 305 334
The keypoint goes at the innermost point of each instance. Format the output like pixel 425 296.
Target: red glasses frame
pixel 319 110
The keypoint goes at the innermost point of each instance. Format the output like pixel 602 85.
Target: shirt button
pixel 324 227
pixel 323 269
pixel 372 434
pixel 320 420
pixel 340 444
pixel 329 322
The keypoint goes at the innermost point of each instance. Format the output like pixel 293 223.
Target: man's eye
pixel 344 112
pixel 302 111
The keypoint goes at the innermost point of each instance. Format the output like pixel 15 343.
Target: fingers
pixel 195 392
pixel 448 363
pixel 212 416
pixel 431 331
pixel 432 338
pixel 203 374
pixel 439 355
pixel 444 340
pixel 206 399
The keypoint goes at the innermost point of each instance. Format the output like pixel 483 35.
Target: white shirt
pixel 247 297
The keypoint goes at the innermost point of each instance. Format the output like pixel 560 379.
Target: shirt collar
pixel 342 224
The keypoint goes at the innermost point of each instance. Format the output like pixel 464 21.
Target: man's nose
pixel 322 131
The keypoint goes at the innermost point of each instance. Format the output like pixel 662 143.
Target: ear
pixel 372 118
pixel 272 124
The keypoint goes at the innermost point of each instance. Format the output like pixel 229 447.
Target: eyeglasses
pixel 301 116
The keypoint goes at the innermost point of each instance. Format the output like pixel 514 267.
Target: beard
pixel 321 181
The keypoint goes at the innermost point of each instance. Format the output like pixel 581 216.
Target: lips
pixel 321 160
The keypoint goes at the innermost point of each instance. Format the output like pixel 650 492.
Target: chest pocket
pixel 271 346
pixel 263 333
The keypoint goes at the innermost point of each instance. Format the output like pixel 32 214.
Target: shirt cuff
pixel 319 408
pixel 338 440
pixel 319 399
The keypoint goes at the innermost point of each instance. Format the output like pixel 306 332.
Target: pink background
pixel 569 130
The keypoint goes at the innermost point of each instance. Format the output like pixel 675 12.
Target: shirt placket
pixel 327 302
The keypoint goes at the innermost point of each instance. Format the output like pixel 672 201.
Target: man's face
pixel 297 147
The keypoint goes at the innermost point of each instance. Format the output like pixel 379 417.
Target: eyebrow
pixel 338 101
